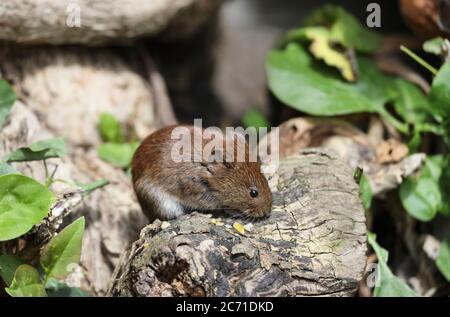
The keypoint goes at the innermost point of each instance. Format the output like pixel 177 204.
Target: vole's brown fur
pixel 166 189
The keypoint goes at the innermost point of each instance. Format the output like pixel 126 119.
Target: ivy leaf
pixel 306 85
pixel 344 28
pixel 23 204
pixel 110 129
pixel 440 91
pixel 299 82
pixel 41 150
pixel 63 251
pixel 57 288
pixel 420 194
pixel 388 285
pixel 7 169
pixel 443 259
pixel 26 283
pixel 7 99
pixel 411 103
pixel 118 154
pixel 8 266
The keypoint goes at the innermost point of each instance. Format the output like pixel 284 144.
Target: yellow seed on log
pixel 239 228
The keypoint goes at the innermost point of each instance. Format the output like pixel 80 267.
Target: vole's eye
pixel 253 193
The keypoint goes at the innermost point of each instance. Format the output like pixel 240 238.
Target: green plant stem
pixel 418 59
pixel 400 126
pixel 48 180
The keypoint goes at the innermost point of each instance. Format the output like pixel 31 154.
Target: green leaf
pixel 440 91
pixel 7 169
pixel 444 184
pixel 435 46
pixel 7 99
pixel 63 251
pixel 344 28
pixel 366 192
pixel 41 150
pixel 56 288
pixel 118 154
pixel 110 129
pixel 433 167
pixel 411 103
pixel 299 82
pixel 414 142
pixel 254 118
pixel 306 85
pixel 421 198
pixel 388 285
pixel 443 259
pixel 23 204
pixel 8 266
pixel 26 283
pixel 443 179
pixel 90 187
pixel 420 194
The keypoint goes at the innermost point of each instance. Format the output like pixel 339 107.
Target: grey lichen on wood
pixel 313 244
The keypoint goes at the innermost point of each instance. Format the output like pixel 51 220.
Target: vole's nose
pixel 265 212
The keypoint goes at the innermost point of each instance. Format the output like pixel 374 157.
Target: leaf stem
pixel 400 126
pixel 418 59
pixel 47 180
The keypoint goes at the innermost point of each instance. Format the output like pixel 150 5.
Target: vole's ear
pixel 228 165
pixel 215 162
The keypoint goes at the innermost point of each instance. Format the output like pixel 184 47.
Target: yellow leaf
pixel 216 222
pixel 321 47
pixel 239 228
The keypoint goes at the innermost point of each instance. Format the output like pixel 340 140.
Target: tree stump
pixel 313 244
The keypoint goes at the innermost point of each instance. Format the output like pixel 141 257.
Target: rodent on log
pixel 167 186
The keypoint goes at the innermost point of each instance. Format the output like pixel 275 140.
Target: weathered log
pixel 97 22
pixel 313 244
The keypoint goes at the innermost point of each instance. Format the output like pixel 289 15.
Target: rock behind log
pixel 98 22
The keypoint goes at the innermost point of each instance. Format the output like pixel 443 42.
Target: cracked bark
pixel 313 244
